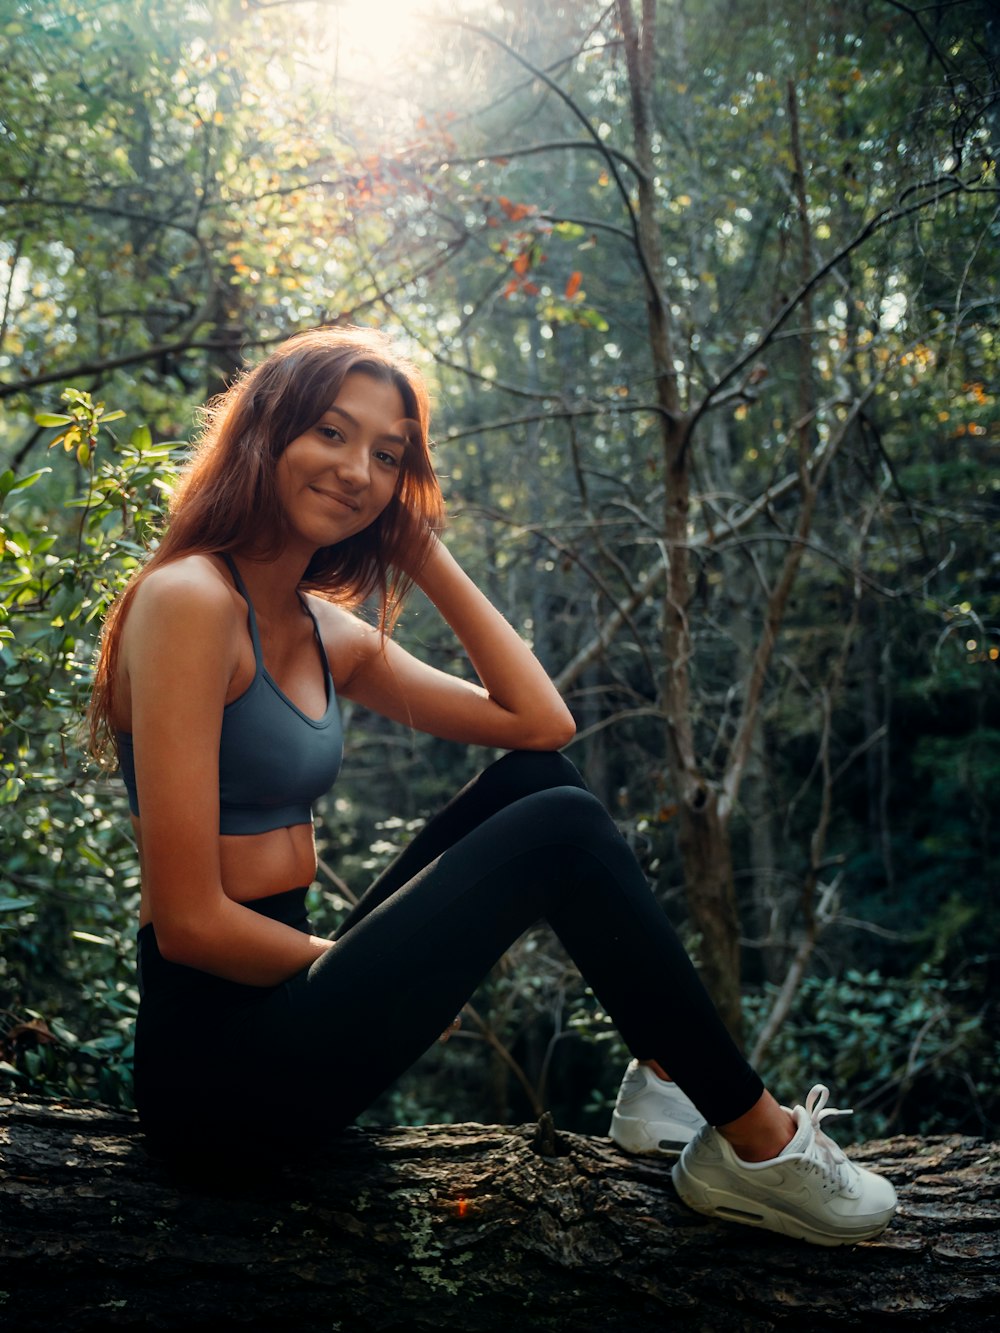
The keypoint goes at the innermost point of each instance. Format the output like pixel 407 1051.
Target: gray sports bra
pixel 274 760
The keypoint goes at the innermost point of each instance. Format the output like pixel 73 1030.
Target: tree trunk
pixel 706 852
pixel 463 1227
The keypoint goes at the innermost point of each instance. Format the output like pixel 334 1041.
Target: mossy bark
pixel 459 1227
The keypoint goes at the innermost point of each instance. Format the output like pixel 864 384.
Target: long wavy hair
pixel 226 496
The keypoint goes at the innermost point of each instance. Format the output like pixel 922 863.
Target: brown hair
pixel 226 493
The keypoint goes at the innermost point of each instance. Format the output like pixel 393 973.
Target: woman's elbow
pixel 172 943
pixel 565 733
pixel 180 941
pixel 554 733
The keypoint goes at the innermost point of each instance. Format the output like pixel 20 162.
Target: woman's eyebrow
pixel 390 436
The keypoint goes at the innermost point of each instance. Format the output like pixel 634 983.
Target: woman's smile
pixel 340 501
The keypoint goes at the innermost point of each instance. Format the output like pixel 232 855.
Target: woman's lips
pixel 340 499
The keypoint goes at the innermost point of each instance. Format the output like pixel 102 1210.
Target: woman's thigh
pixel 509 779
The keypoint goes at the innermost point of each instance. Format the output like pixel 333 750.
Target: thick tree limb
pixel 462 1227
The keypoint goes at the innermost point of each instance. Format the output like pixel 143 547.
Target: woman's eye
pixel 389 459
pixel 330 433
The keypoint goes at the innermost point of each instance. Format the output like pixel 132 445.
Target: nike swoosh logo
pixel 785 1182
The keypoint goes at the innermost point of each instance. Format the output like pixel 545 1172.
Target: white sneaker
pixel 652 1115
pixel 810 1190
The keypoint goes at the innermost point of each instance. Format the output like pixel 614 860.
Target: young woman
pixel 217 687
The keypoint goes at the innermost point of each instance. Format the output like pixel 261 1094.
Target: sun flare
pixel 373 33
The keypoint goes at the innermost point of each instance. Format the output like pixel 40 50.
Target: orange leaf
pixel 521 264
pixel 573 285
pixel 514 211
pixel 510 289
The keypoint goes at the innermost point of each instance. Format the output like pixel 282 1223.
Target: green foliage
pixel 69 878
pixel 910 1054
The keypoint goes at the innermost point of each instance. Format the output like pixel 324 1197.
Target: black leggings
pixel 219 1062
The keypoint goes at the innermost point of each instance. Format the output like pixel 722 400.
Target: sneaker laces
pixel 823 1151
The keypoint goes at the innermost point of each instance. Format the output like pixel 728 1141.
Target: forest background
pixel 707 293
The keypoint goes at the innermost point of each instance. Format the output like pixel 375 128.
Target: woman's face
pixel 336 478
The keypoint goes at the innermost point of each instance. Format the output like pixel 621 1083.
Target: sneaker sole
pixel 643 1138
pixel 727 1207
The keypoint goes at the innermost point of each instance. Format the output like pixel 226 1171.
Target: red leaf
pixel 573 285
pixel 514 211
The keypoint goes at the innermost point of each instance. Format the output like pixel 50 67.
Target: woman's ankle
pixel 760 1133
pixel 658 1070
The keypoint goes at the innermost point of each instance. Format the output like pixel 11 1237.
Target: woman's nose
pixel 353 467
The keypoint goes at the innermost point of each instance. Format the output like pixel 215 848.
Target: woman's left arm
pixel 516 707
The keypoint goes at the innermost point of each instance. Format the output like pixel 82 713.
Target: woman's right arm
pixel 179 654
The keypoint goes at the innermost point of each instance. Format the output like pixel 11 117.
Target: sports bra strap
pixel 258 651
pixel 241 588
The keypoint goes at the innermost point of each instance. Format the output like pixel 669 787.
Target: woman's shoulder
pixel 198 579
pixel 192 588
pixel 181 643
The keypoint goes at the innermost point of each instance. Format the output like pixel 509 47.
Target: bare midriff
pixel 255 865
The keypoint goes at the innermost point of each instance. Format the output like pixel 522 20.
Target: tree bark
pixel 464 1227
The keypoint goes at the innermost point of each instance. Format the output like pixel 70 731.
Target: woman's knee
pixel 573 815
pixel 524 772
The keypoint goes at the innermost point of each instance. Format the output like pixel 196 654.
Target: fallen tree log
pixel 461 1227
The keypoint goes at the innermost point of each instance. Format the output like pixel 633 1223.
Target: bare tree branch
pixel 810 482
pixel 528 150
pixel 940 188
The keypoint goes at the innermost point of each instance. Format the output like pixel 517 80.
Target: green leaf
pixel 111 416
pixel 141 438
pixel 11 788
pixel 29 479
pixel 52 419
pixel 593 320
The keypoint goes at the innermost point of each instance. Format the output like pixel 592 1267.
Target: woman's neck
pixel 273 581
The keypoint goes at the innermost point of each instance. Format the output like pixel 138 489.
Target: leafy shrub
pixel 69 881
pixel 914 1055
